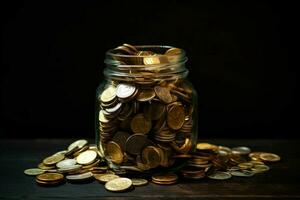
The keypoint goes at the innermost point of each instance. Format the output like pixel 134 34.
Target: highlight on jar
pixel 146 108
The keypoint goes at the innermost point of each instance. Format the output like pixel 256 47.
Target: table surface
pixel 281 182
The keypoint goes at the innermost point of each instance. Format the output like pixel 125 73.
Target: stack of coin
pixel 144 120
pixel 220 162
pixel 165 179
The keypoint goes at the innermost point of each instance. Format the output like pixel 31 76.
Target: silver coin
pixel 243 173
pixel 69 169
pixel 220 175
pixel 66 163
pixel 241 150
pixel 224 148
pixel 33 171
pixel 77 144
pixel 61 152
pixel 139 181
pixel 125 90
pixel 114 109
pixel 80 177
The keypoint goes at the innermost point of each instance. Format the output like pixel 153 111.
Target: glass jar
pixel 146 109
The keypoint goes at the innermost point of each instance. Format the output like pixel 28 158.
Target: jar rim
pixel 160 48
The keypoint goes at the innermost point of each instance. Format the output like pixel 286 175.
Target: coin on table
pixel 69 169
pixel 245 165
pixel 163 94
pixel 243 173
pixel 48 177
pixel 139 181
pixel 80 177
pixel 176 117
pixel 241 150
pixel 260 168
pixel 140 125
pixel 77 144
pixel 106 177
pixel 44 167
pixel 125 91
pixel 66 163
pixel 218 175
pixel 34 171
pixel 52 160
pixel 145 95
pixel 270 157
pixel 109 94
pixel 114 151
pixel 165 179
pixel 86 157
pixel 118 184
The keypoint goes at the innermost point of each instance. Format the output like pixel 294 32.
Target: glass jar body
pixel 146 124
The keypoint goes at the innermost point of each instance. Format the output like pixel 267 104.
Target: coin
pixel 33 171
pixel 166 178
pixel 109 94
pixel 118 184
pixel 270 157
pixel 52 160
pixel 44 167
pixel 48 177
pixel 245 165
pixel 139 181
pixel 206 146
pixel 140 125
pixel 151 156
pixel 243 173
pixel 114 151
pixel 69 169
pixel 163 94
pixel 77 144
pixel 145 95
pixel 86 157
pixel 66 163
pixel 173 51
pixel 241 150
pixel 176 117
pixel 260 168
pixel 218 175
pixel 135 143
pixel 125 91
pixel 155 111
pixel 80 177
pixel 120 138
pixel 131 47
pixel 106 177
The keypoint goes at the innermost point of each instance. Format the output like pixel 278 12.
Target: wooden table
pixel 281 182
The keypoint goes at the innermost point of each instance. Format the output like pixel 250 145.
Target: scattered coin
pixel 139 181
pixel 106 177
pixel 80 177
pixel 218 175
pixel 34 171
pixel 243 173
pixel 118 184
pixel 86 157
pixel 270 157
pixel 66 163
pixel 165 179
pixel 241 150
pixel 52 160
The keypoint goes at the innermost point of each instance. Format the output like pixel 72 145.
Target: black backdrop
pixel 239 61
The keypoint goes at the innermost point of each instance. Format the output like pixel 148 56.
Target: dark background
pixel 239 61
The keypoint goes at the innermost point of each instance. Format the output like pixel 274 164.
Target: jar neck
pixel 146 67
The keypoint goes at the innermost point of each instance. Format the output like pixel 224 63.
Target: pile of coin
pixel 146 120
pixel 220 162
pixel 84 165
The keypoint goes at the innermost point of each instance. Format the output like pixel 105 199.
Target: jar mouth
pixel 115 58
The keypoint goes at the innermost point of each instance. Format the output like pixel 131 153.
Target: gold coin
pixel 151 156
pixel 86 157
pixel 44 167
pixel 206 146
pixel 48 183
pixel 140 125
pixel 48 177
pixel 260 168
pixel 145 95
pixel 106 177
pixel 173 51
pixel 33 171
pixel 167 177
pixel 102 117
pixel 163 94
pixel 270 157
pixel 135 143
pixel 245 165
pixel 176 117
pixel 109 94
pixel 118 184
pixel 114 152
pixel 139 181
pixel 52 160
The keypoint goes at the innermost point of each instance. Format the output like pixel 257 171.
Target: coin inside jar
pixel 114 152
pixel 163 94
pixel 108 94
pixel 125 91
pixel 176 117
pixel 140 125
